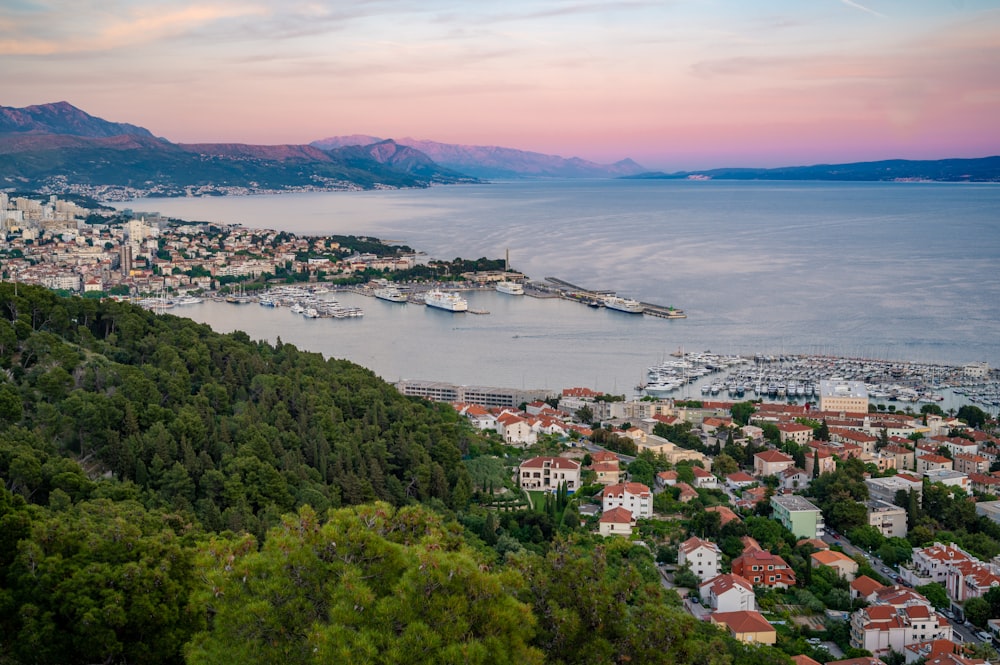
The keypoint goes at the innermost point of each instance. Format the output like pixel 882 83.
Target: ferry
pixel 447 301
pixel 623 304
pixel 510 288
pixel 391 293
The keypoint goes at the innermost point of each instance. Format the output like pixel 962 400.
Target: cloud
pixel 851 3
pixel 53 29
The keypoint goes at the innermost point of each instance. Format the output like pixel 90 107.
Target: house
pixel 884 627
pixel 798 515
pixel 480 418
pixel 793 478
pixel 703 556
pixel 728 593
pixel 845 566
pixel 739 480
pixel 939 652
pixel 606 466
pixel 515 430
pixel 984 484
pixel 704 479
pixel 548 473
pixel 969 463
pixel 970 579
pixel 803 659
pixel 817 544
pixel 747 626
pixel 726 514
pixel 751 496
pixel 905 457
pixel 687 493
pixel 950 478
pixel 933 462
pixel 865 441
pixel 865 588
pixel 616 522
pixel 771 463
pixel 761 568
pixel 800 434
pixel 822 458
pixel 634 497
pixel 666 478
pixel 931 564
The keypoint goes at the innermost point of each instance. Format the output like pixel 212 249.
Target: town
pixel 841 533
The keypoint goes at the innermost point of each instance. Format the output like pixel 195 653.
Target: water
pixel 907 271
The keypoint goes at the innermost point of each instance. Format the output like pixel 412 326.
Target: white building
pixel 728 593
pixel 702 555
pixel 635 497
pixel 548 473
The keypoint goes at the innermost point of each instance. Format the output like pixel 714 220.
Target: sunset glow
pixel 679 84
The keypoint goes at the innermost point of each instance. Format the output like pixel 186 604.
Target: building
pixel 969 463
pixel 703 556
pixel 548 473
pixel 845 566
pixel 888 518
pixel 970 579
pixel 865 588
pixel 771 463
pixel 761 568
pixel 616 522
pixel 949 478
pixel 798 515
pixel 797 432
pixel 931 564
pixel 886 488
pixel 933 462
pixel 728 593
pixel 634 497
pixel 840 396
pixel 746 626
pixel 895 621
pixel 483 395
pixel 704 479
pixel 516 430
pixel 793 479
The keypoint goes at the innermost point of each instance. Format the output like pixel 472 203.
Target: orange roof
pixel 621 488
pixel 866 586
pixel 725 513
pixel 774 456
pixel 804 660
pixel 617 516
pixel 831 557
pixel 744 621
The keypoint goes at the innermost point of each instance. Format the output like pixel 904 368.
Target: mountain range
pixel 58 147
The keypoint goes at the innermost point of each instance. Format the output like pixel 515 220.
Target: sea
pixel 902 271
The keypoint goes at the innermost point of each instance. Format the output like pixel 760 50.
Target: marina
pixel 610 300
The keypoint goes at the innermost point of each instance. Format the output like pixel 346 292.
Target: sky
pixel 672 84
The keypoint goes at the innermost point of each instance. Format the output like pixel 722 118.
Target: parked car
pixel 984 636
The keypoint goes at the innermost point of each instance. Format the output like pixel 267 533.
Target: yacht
pixel 448 301
pixel 510 288
pixel 188 300
pixel 391 293
pixel 623 304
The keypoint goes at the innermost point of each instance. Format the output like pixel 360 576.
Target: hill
pixel 174 495
pixel 497 162
pixel 57 145
pixel 985 169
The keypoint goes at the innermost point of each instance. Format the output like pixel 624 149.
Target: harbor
pixel 609 299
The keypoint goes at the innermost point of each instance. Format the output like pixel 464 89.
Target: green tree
pixel 936 594
pixel 372 584
pixel 977 610
pixel 741 412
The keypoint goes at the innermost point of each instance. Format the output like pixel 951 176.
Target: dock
pixel 569 291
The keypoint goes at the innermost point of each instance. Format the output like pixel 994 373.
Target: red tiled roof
pixel 743 621
pixel 617 516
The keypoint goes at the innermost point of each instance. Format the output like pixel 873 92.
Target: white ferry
pixel 510 288
pixel 449 301
pixel 391 293
pixel 623 304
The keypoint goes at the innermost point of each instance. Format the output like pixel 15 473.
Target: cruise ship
pixel 623 304
pixel 510 288
pixel 449 301
pixel 391 293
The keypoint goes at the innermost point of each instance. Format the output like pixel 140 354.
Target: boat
pixel 188 300
pixel 447 301
pixel 297 308
pixel 510 288
pixel 627 305
pixel 311 313
pixel 391 293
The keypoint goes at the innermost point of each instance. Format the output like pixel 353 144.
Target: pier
pixel 570 291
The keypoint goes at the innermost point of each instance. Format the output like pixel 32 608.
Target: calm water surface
pixel 884 270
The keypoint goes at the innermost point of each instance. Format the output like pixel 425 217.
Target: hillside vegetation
pixel 170 494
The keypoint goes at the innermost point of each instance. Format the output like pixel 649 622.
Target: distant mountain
pixel 62 118
pixel 496 162
pixel 984 169
pixel 57 145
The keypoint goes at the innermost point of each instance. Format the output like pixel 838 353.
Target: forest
pixel 174 495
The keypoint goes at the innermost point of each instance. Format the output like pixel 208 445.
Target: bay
pixel 905 271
